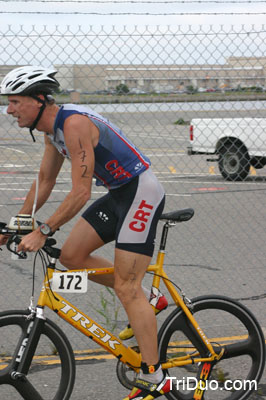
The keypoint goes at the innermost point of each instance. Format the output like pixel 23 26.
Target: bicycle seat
pixel 179 215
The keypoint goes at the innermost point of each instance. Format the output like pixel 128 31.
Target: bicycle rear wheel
pixel 51 373
pixel 227 324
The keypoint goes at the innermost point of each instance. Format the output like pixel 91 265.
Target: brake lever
pixel 15 239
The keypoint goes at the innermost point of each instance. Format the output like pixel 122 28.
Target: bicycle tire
pixel 51 373
pixel 228 324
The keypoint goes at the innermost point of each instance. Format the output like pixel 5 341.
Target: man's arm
pixel 81 136
pixel 49 169
pixel 50 166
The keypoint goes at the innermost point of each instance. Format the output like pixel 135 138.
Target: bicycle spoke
pixel 26 373
pixel 231 328
pixel 27 390
pixel 239 349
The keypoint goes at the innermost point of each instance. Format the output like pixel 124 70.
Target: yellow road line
pixel 172 169
pixel 253 171
pixel 53 360
pixel 99 354
pixel 212 170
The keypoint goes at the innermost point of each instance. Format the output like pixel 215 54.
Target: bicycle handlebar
pixel 15 237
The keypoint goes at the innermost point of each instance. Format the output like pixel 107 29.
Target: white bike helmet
pixel 28 81
pixel 31 81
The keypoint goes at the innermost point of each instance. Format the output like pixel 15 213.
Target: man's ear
pixel 40 99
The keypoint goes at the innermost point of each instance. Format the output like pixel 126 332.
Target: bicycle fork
pixel 23 356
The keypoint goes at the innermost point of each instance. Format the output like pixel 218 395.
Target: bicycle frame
pixel 181 341
pixel 107 340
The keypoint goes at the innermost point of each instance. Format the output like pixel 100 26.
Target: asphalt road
pixel 221 250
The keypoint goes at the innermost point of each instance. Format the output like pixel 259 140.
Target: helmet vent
pixel 34 76
pixel 15 87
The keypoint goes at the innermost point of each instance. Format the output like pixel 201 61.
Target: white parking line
pixel 162 137
pixel 12 149
pixel 12 183
pixel 14 165
pixel 4 189
pixel 178 194
pixel 177 154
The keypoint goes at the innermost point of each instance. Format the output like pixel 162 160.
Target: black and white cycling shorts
pixel 129 214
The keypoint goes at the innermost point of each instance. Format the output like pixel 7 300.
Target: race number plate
pixel 70 282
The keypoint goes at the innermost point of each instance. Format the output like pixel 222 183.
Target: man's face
pixel 24 108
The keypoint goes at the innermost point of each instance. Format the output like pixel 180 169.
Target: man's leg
pixel 130 269
pixel 158 302
pixel 77 249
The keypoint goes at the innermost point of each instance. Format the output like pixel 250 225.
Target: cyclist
pixel 128 213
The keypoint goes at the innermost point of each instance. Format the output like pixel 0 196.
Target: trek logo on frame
pixel 90 326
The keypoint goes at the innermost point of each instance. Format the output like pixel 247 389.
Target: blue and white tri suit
pixel 130 211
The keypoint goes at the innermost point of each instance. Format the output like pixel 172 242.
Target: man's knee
pixel 71 258
pixel 66 258
pixel 126 291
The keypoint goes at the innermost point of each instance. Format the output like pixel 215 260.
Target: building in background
pixel 237 72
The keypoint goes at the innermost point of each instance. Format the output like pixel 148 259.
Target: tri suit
pixel 130 211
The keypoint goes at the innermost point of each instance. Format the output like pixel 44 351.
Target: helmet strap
pixel 33 126
pixel 33 137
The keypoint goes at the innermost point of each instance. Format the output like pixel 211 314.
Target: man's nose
pixel 10 109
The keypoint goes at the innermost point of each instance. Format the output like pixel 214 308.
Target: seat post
pixel 164 236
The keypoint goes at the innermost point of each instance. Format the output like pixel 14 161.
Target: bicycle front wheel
pixel 228 325
pixel 51 372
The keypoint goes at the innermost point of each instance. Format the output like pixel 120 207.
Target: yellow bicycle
pixel 210 346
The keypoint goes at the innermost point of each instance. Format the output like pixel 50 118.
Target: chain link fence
pixel 154 83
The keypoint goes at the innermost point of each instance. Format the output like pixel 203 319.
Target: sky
pixel 188 11
pixel 32 32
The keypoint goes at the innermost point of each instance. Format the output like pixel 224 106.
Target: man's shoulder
pixel 79 108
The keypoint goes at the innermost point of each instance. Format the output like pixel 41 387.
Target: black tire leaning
pixel 233 327
pixel 52 379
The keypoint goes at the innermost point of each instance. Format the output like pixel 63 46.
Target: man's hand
pixel 34 241
pixel 3 240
